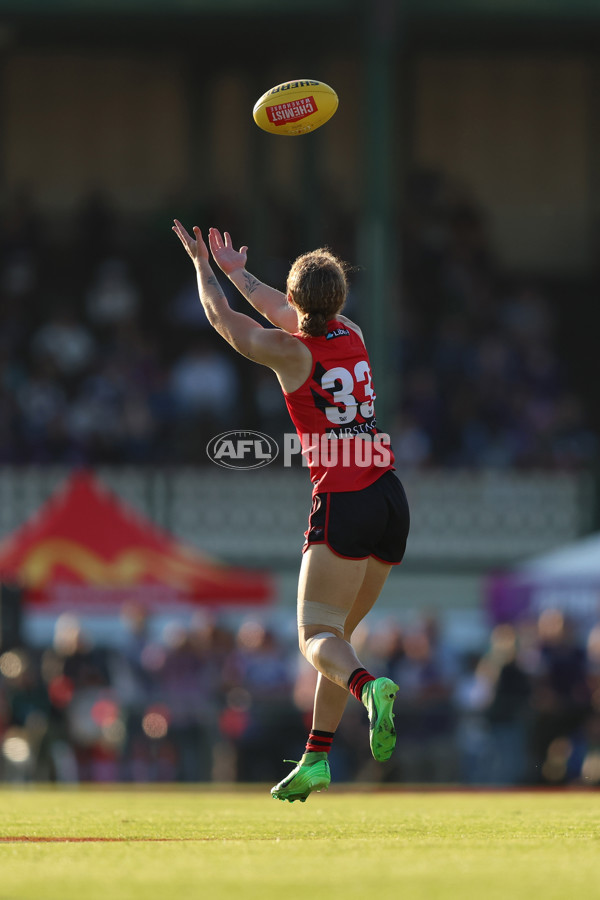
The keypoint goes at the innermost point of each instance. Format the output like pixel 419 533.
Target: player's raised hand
pixel 196 248
pixel 227 259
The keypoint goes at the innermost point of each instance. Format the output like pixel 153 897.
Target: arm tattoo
pixel 211 282
pixel 251 283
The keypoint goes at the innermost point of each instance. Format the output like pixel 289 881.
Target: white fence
pixel 461 519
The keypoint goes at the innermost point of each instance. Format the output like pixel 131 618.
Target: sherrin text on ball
pixel 295 107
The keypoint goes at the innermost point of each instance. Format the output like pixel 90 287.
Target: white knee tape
pixel 310 643
pixel 312 612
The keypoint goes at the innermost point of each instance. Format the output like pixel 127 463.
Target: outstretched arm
pixel 263 345
pixel 270 303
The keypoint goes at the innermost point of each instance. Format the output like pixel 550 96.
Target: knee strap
pixel 311 612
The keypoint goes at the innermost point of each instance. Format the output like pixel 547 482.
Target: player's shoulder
pixel 284 341
pixel 276 344
pixel 350 324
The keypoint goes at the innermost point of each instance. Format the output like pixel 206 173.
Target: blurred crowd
pixel 106 355
pixel 214 702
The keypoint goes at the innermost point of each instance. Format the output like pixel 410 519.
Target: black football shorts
pixel 356 524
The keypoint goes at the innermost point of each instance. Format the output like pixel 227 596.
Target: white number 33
pixel 346 393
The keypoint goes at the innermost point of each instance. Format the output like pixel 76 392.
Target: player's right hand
pixel 227 259
pixel 196 248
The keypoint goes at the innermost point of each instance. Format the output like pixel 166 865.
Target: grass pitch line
pixel 26 839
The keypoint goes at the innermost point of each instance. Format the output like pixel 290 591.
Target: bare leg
pixel 330 702
pixel 330 698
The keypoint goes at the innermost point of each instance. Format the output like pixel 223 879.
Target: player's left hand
pixel 196 249
pixel 226 257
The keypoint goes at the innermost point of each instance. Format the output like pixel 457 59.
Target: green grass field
pixel 212 844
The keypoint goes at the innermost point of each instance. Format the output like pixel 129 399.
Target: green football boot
pixel 378 696
pixel 311 774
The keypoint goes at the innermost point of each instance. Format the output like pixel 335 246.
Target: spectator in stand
pixel 66 342
pixel 508 710
pixel 473 693
pixel 204 383
pixel 187 692
pixel 561 697
pixel 42 403
pixel 412 445
pixel 113 296
pixel 260 667
pixel 205 393
pixel 424 718
pixel 94 414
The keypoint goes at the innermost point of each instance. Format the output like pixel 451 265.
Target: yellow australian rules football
pixel 295 107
